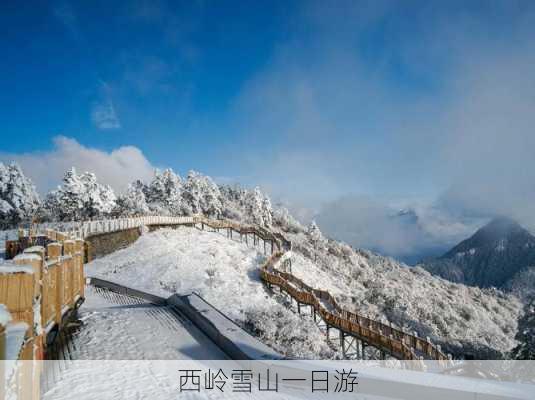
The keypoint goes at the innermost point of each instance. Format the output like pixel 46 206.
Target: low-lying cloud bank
pixel 117 168
pixel 409 234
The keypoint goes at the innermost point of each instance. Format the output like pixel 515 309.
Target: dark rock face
pixel 491 257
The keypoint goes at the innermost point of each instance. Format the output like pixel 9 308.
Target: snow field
pixel 225 272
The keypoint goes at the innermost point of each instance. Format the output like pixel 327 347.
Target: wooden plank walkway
pixel 113 326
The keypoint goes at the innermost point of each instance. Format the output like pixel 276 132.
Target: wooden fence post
pixel 69 271
pixel 54 255
pixel 80 261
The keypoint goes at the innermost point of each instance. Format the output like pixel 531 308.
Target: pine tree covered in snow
pixel 234 194
pixel 80 197
pixel 526 334
pixel 233 199
pixel 163 194
pixel 315 234
pixel 251 206
pixel 523 284
pixel 267 211
pixel 133 202
pixel 200 195
pixel 18 198
pixel 259 208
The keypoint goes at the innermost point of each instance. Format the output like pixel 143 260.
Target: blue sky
pixel 378 104
pixel 171 71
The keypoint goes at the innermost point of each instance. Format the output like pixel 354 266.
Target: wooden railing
pixel 40 286
pixel 396 342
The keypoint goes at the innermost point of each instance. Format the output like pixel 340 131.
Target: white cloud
pixel 116 168
pixel 103 114
pixel 104 117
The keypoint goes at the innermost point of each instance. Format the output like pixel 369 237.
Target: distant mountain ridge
pixel 490 257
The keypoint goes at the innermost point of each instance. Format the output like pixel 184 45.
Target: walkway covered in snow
pixel 118 327
pixel 113 326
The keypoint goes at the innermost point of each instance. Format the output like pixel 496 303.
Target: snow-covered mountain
pixel 496 255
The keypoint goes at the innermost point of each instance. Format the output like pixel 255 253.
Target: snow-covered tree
pixel 200 195
pixel 526 334
pixel 267 211
pixel 163 195
pixel 283 219
pixel 133 202
pixel 251 206
pixel 316 238
pixel 18 198
pixel 254 206
pixel 314 233
pixel 233 198
pixel 522 284
pixel 233 194
pixel 80 197
pixel 258 208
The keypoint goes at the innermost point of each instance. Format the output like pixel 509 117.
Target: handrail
pixel 397 342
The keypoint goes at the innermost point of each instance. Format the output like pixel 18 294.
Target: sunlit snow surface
pixel 225 272
pixel 131 329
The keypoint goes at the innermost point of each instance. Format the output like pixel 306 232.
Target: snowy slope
pixel 225 272
pixel 462 319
